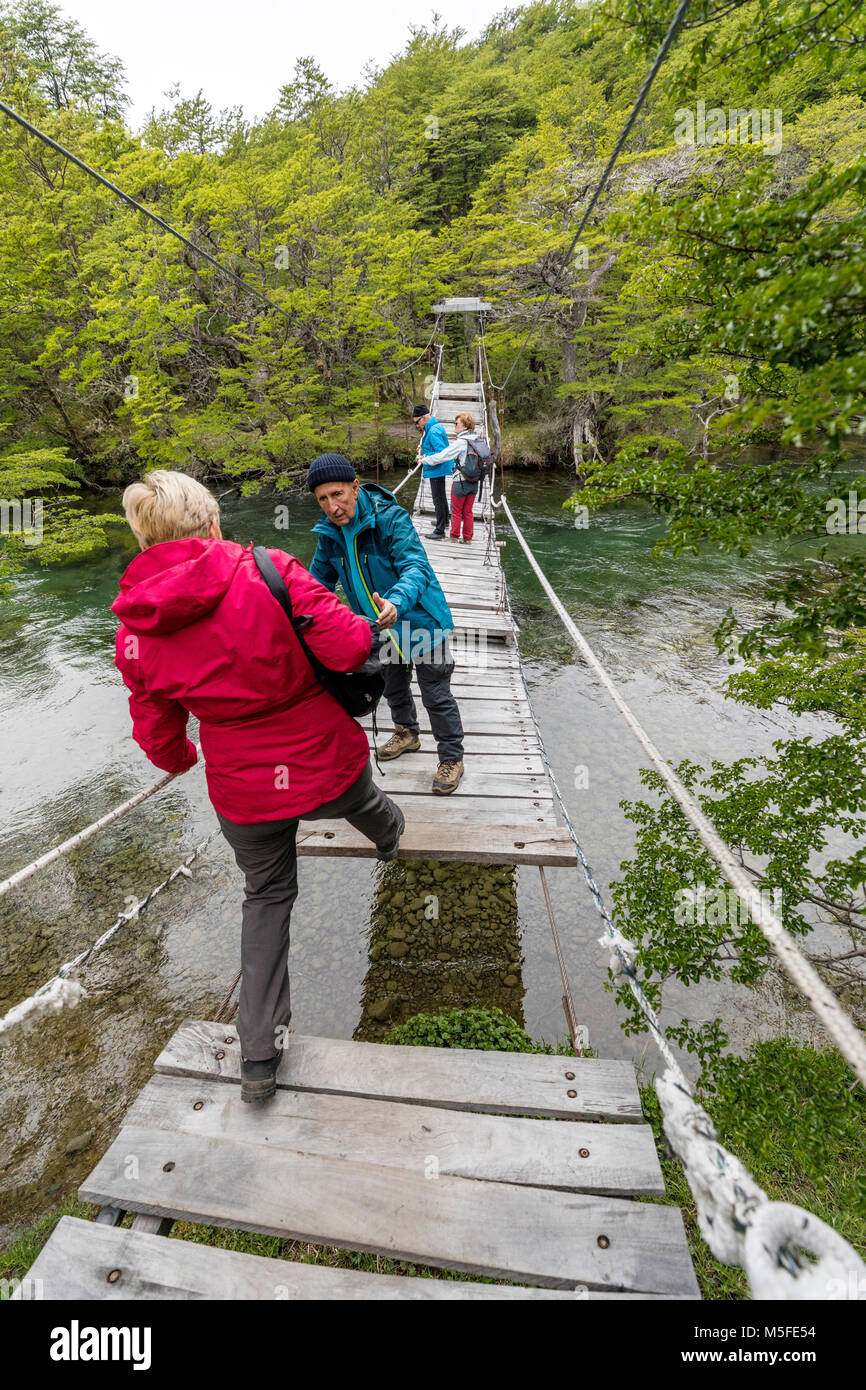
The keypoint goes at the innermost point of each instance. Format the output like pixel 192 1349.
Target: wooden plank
pixel 477 717
pixel 502 678
pixel 468 690
pixel 462 811
pixel 403 776
pixel 533 1235
pixel 620 1160
pixel 460 391
pixel 476 745
pixel 501 1083
pixel 467 560
pixel 454 842
pixel 448 408
pixel 483 620
pixel 73 1263
pixel 510 711
pixel 513 764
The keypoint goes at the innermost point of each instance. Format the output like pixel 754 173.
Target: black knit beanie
pixel 420 411
pixel 330 468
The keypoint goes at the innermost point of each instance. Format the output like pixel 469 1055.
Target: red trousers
pixel 461 510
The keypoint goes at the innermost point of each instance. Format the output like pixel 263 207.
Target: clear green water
pixel 67 757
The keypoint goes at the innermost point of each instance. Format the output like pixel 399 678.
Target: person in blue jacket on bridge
pixel 367 542
pixel 433 440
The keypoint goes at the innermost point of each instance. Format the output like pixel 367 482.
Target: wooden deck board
pixel 76 1259
pixel 531 1235
pixel 549 845
pixel 512 1083
pixel 619 1159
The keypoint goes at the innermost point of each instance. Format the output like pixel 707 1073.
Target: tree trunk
pixel 584 421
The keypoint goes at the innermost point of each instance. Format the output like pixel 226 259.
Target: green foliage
pixel 55 528
pixel 488 1030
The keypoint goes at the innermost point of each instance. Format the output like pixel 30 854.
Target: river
pixel 68 757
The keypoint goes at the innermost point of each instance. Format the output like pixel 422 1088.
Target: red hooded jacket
pixel 201 634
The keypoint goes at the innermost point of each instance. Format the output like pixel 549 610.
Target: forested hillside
pixel 461 167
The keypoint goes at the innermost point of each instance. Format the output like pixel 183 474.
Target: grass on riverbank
pixel 787 1111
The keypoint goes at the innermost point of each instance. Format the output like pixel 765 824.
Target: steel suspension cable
pixel 602 183
pixel 173 231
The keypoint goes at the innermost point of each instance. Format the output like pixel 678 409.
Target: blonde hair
pixel 167 506
pixel 465 415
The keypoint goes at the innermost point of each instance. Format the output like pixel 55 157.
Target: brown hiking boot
pixel 447 777
pixel 401 741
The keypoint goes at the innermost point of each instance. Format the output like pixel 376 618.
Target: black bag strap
pixel 280 590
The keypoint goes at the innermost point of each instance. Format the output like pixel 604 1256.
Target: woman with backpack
pixel 468 474
pixel 201 634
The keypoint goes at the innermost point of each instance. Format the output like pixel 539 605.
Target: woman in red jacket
pixel 201 634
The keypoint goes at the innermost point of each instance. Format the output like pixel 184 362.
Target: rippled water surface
pixel 68 757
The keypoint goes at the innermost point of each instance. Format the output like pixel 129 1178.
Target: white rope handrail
pixel 64 990
pixel 395 490
pixel 81 838
pixel 738 1221
pixel 844 1032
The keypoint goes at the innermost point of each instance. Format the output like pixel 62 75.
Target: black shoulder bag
pixel 357 691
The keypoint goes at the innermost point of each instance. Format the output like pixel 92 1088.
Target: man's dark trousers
pixel 439 494
pixel 434 677
pixel 265 851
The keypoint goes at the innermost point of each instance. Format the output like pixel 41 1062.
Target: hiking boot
pixel 435 535
pixel 448 775
pixel 453 538
pixel 389 851
pixel 259 1079
pixel 401 741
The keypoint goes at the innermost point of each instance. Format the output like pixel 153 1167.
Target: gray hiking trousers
pixel 266 853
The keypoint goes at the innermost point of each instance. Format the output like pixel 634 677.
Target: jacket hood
pixel 377 497
pixel 170 585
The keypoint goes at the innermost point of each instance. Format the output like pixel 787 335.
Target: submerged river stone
pixel 441 936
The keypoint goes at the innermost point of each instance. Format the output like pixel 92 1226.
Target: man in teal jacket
pixel 366 542
pixel 433 440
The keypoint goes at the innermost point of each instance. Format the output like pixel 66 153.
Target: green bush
pixel 488 1030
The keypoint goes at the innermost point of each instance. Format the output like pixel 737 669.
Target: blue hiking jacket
pixel 389 559
pixel 433 441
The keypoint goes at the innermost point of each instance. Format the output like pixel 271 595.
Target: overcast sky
pixel 241 54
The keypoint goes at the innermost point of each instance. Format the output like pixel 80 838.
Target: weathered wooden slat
pixel 152 1225
pixel 512 764
pixel 449 557
pixel 474 722
pixel 462 811
pixel 619 1160
pixel 470 691
pixel 446 841
pixel 481 717
pixel 483 620
pixel 74 1263
pixel 466 595
pixel 459 390
pixel 501 679
pixel 475 745
pixel 534 1235
pixel 402 776
pixel 504 1083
